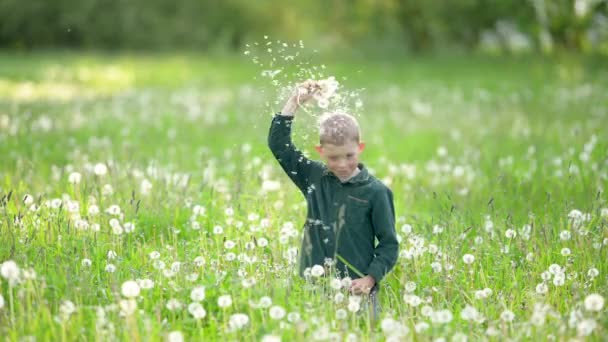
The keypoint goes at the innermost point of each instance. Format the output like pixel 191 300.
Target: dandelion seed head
pixel 276 312
pixel 197 294
pixel 224 301
pixel 468 259
pixel 594 302
pixel 175 336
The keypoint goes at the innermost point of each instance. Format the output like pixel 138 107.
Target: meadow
pixel 139 200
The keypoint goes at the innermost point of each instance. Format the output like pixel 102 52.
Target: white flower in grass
pixel 173 305
pixel 175 336
pixel 271 338
pixel 507 316
pixel 86 262
pixel 426 311
pixel 111 255
pixel 28 199
pixel 145 284
pixel 238 321
pixel 559 279
pixel 107 190
pixel 336 284
pixel 586 327
pixel 442 316
pixel 130 289
pixel 1 301
pixel 218 230
pixel 593 272
pixel 347 282
pixel 341 314
pixel 388 325
pixel 436 266
pixel 470 313
pixel 74 178
pixel 197 311
pixel 145 186
pixel 555 268
pixel 293 317
pixel 468 259
pixel 276 312
pixel 67 308
pixel 566 251
pixel 199 261
pixel 412 300
pixel 129 227
pixel 229 244
pixel 100 169
pixel 110 268
pixel 224 301
pixel 604 213
pixel 265 302
pixel 127 306
pixel 317 271
pixel 113 210
pixel 56 203
pixel 594 302
pixel 154 255
pixel 542 288
pixel 339 298
pixel 9 270
pixel 197 294
pixel 262 242
pixel 421 327
pixel 510 233
pixel 410 286
pixel 354 306
pixel 565 235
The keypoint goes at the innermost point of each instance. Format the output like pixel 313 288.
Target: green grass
pixel 461 140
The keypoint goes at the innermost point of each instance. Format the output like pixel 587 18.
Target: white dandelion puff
pixel 594 302
pixel 276 312
pixel 130 289
pixel 224 301
pixel 197 294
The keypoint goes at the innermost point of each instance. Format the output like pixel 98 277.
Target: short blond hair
pixel 337 128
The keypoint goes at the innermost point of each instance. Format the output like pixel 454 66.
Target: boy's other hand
pixel 362 285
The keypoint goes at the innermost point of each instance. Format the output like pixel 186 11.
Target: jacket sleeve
pixel 383 221
pixel 300 169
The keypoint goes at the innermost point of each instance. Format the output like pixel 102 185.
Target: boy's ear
pixel 361 146
pixel 319 149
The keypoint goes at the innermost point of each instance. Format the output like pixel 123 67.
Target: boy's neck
pixel 355 172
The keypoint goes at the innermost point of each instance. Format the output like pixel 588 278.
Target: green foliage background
pixel 227 25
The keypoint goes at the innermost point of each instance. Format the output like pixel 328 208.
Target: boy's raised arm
pixel 299 168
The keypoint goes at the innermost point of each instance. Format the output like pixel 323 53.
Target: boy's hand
pixel 362 285
pixel 302 94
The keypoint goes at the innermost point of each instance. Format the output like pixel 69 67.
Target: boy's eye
pixel 333 158
pixel 350 156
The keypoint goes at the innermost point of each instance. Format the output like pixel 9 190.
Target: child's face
pixel 342 160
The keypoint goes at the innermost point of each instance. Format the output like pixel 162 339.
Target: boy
pixel 348 208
